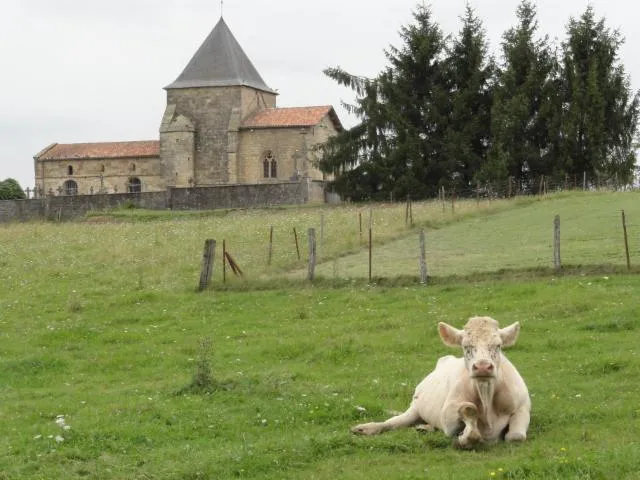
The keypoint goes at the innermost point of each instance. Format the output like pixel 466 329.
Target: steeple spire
pixel 220 61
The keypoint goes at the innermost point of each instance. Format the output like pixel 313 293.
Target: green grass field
pixel 100 324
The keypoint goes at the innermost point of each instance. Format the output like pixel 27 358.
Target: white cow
pixel 476 399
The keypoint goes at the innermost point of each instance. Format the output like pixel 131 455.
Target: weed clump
pixel 202 381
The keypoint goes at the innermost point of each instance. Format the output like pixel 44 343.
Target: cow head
pixel 481 340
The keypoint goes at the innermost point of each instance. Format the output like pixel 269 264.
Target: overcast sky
pixel 89 71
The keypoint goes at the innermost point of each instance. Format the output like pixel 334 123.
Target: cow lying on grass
pixel 476 399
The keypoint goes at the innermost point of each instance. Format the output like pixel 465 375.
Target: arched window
pixel 135 185
pixel 70 170
pixel 269 165
pixel 70 187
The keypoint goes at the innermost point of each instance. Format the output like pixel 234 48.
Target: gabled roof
pixel 74 151
pixel 220 61
pixel 292 117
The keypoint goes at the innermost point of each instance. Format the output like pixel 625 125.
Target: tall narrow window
pixel 70 170
pixel 269 165
pixel 70 187
pixel 133 167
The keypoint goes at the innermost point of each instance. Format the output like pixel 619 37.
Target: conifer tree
pixel 469 71
pixel 602 111
pixel 396 149
pixel 520 135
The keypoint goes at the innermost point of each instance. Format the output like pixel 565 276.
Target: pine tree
pixel 602 111
pixel 469 71
pixel 396 149
pixel 520 133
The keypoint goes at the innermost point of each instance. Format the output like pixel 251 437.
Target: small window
pixel 135 185
pixel 269 166
pixel 102 168
pixel 70 170
pixel 133 167
pixel 70 187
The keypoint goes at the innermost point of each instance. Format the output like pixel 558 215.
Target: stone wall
pixel 198 198
pixel 211 109
pixel 100 174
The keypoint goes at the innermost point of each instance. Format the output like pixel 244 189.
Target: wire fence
pixel 389 240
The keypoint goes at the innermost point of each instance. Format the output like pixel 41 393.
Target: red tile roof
pixel 69 151
pixel 292 117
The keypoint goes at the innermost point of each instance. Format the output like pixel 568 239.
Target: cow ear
pixel 509 334
pixel 450 336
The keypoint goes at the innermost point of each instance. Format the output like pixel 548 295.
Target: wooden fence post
pixel 423 259
pixel 207 264
pixel 295 236
pixel 312 253
pixel 556 243
pixel 626 241
pixel 224 261
pixel 320 248
pixel 270 245
pixel 370 252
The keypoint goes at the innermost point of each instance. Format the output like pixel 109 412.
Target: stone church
pixel 221 126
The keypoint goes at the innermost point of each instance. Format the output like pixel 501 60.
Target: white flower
pixel 59 439
pixel 60 420
pixel 360 409
pixel 37 437
pixel 67 427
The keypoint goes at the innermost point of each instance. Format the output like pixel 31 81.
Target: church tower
pixel 206 104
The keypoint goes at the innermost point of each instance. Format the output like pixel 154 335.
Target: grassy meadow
pixel 103 343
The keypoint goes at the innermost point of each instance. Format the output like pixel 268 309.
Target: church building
pixel 221 126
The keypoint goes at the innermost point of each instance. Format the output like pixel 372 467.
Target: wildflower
pixel 493 474
pixel 360 409
pixel 59 439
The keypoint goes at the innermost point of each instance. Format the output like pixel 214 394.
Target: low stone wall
pixel 197 198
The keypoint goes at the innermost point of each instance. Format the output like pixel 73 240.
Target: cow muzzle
pixel 483 369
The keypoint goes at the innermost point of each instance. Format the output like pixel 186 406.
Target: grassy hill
pixel 100 324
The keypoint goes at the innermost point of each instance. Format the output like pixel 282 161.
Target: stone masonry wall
pixel 198 198
pixel 210 109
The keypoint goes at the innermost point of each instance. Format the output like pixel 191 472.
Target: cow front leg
pixel 518 425
pixel 460 420
pixel 406 419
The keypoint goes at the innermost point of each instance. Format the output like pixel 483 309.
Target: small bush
pixel 202 381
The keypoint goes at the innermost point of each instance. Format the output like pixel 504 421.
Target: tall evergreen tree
pixel 520 133
pixel 396 149
pixel 602 111
pixel 469 71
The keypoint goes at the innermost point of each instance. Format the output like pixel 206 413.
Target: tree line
pixel 446 113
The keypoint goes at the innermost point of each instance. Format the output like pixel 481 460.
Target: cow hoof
pixel 365 429
pixel 425 427
pixel 515 437
pixel 468 440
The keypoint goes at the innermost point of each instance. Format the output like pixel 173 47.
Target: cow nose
pixel 483 368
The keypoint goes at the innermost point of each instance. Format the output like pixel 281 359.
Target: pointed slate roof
pixel 220 61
